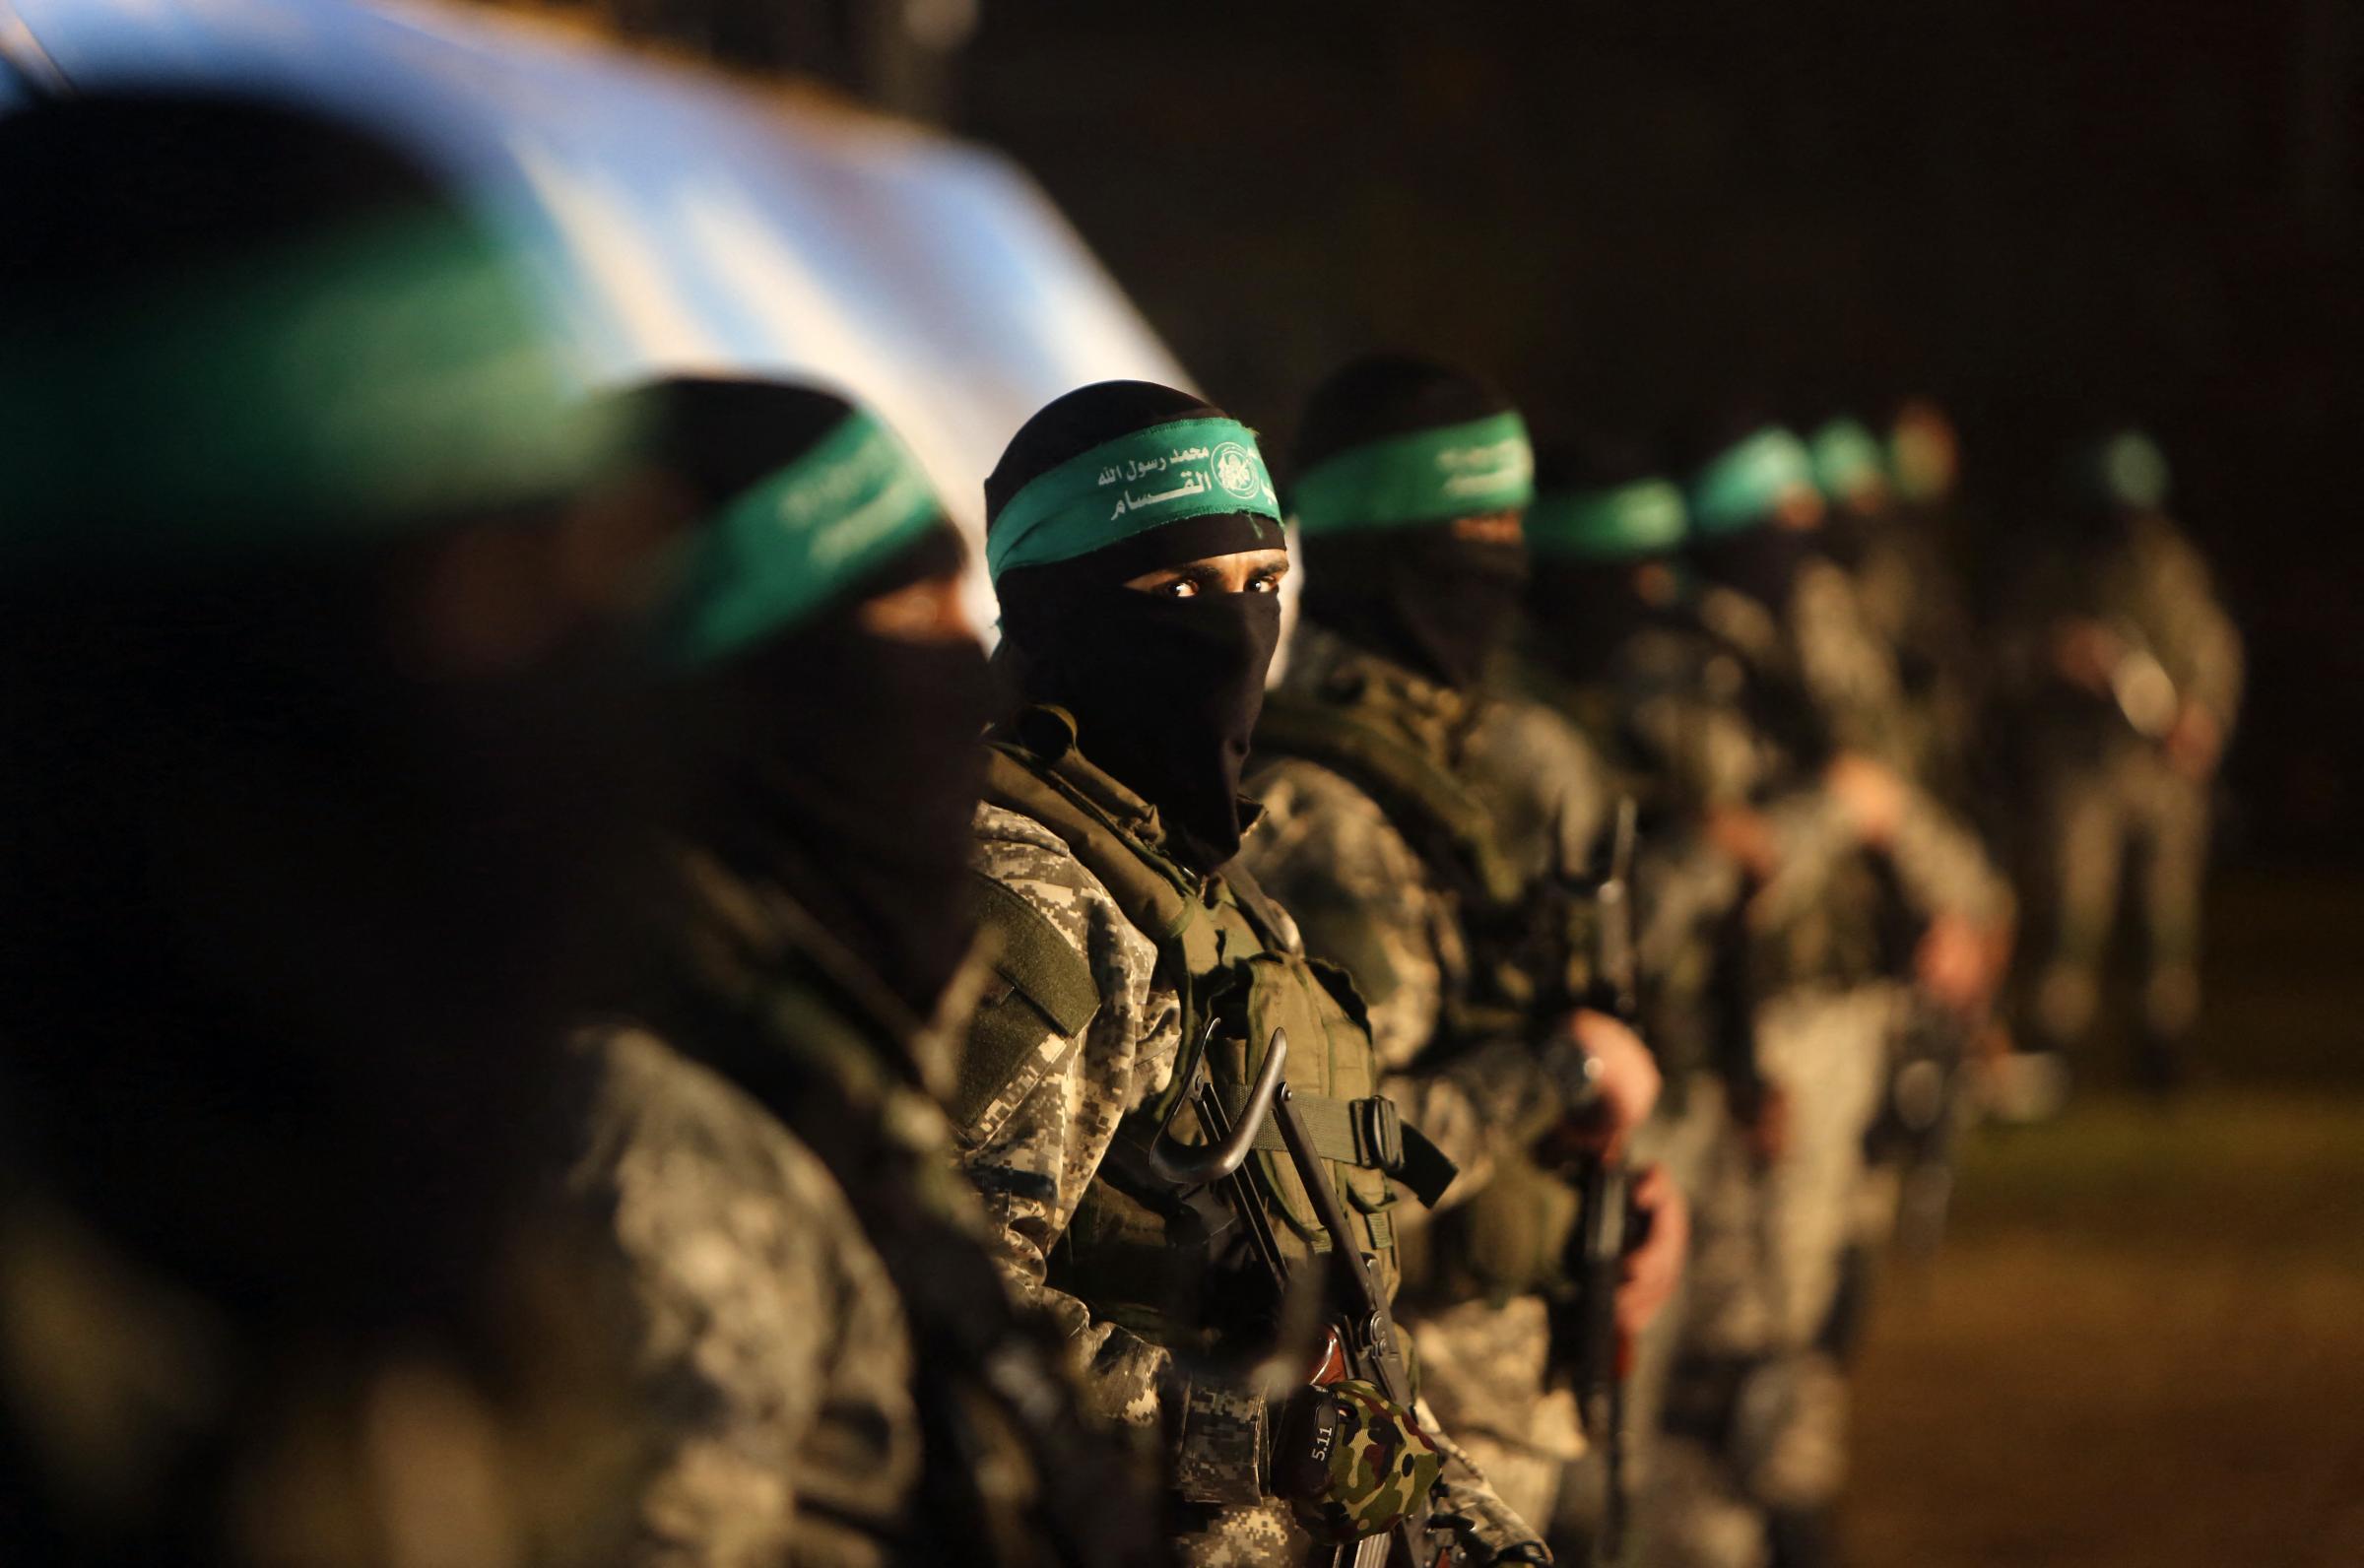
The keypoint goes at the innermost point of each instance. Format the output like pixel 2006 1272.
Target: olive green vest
pixel 1142 1254
pixel 1528 949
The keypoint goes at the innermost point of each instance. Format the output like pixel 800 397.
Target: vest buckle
pixel 1378 1134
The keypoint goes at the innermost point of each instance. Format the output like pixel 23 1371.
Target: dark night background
pixel 1623 211
pixel 2038 210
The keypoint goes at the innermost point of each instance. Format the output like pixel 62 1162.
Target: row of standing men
pixel 535 1031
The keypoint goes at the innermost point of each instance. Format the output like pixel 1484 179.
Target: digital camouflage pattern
pixel 1665 717
pixel 1037 1147
pixel 831 1370
pixel 119 1380
pixel 774 1358
pixel 1757 1406
pixel 1484 1369
pixel 1667 704
pixel 1325 849
pixel 1548 785
pixel 1366 899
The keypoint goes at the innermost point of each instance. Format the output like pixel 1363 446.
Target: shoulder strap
pixel 1270 925
pixel 1150 889
pixel 960 1316
pixel 1416 792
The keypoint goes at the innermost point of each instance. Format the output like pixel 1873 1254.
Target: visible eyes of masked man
pixel 1254 571
pixel 1136 547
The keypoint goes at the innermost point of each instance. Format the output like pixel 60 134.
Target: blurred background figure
pixel 1892 496
pixel 2128 679
pixel 317 797
pixel 830 1369
pixel 1438 839
pixel 1610 644
pixel 1875 902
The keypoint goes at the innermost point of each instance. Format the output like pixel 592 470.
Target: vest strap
pixel 1415 790
pixel 1427 1170
pixel 1372 1134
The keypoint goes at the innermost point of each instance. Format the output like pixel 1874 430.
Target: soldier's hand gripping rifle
pixel 1362 1340
pixel 1607 1228
pixel 1367 1328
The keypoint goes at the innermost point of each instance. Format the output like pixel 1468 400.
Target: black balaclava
pixel 839 762
pixel 293 916
pixel 1583 611
pixel 1438 604
pixel 1848 528
pixel 1166 692
pixel 2111 477
pixel 1762 560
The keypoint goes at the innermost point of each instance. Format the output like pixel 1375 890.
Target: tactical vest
pixel 1836 937
pixel 1510 1237
pixel 1523 940
pixel 1156 1260
pixel 800 1029
pixel 1682 1017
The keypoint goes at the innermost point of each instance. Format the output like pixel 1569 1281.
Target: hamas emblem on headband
pixel 1235 471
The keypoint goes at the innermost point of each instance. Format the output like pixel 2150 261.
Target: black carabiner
pixel 1197 1164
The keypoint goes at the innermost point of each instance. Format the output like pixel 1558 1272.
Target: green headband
pixel 1919 460
pixel 1425 476
pixel 1746 484
pixel 1847 460
pixel 2129 470
pixel 1644 518
pixel 792 542
pixel 359 384
pixel 1165 474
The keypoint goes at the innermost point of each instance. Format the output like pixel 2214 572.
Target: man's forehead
pixel 1252 559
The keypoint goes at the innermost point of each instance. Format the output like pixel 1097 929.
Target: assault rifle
pixel 1586 1346
pixel 1919 1123
pixel 1363 1340
pixel 1606 1229
pixel 1368 1327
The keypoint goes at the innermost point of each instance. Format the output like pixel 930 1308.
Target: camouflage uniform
pixel 775 1362
pixel 1666 708
pixel 830 1367
pixel 1398 922
pixel 1038 1131
pixel 2101 780
pixel 1907 591
pixel 1762 1401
